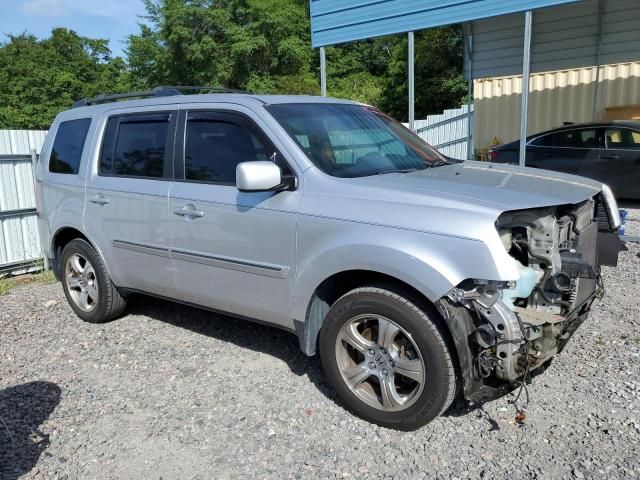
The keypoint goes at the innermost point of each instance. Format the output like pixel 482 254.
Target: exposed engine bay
pixel 521 325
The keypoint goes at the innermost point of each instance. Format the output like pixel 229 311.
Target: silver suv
pixel 417 278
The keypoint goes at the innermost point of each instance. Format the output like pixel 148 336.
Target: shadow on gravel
pixel 23 409
pixel 246 334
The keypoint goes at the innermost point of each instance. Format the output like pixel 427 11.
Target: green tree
pixel 439 83
pixel 40 78
pixel 260 45
pixel 264 46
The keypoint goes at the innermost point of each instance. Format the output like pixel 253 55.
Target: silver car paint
pixel 262 255
pixel 134 220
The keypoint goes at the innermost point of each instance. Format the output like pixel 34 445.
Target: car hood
pixel 502 187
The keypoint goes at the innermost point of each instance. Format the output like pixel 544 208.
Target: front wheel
pixel 387 358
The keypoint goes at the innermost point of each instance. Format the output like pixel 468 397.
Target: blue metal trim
pixel 340 21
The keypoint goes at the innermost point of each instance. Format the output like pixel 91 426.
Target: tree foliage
pixel 257 45
pixel 40 78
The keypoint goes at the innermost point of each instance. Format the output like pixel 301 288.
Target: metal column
pixel 323 72
pixel 594 113
pixel 412 93
pixel 526 72
pixel 468 30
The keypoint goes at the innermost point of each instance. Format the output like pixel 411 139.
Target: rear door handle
pixel 609 157
pixel 188 212
pixel 99 199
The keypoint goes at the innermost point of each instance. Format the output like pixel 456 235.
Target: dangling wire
pixel 521 410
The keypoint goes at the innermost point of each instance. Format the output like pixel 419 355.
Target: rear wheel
pixel 387 358
pixel 87 285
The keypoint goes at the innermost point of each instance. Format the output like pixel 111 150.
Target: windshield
pixel 351 141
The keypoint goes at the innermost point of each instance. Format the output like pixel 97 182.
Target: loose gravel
pixel 174 392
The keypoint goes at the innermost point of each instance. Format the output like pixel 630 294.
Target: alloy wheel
pixel 82 284
pixel 380 362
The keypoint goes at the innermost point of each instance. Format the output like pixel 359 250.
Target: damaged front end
pixel 513 328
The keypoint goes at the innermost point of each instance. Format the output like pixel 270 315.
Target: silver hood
pixel 502 187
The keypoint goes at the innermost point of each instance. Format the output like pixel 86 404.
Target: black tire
pixel 110 303
pixel 439 373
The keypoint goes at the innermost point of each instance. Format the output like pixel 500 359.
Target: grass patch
pixel 9 283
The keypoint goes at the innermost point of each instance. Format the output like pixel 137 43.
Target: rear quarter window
pixel 68 145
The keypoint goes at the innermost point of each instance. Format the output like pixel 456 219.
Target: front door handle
pixel 188 212
pixel 99 199
pixel 609 157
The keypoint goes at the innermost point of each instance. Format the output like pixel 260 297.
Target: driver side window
pixel 215 143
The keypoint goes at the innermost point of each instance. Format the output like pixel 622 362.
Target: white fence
pixel 448 132
pixel 19 240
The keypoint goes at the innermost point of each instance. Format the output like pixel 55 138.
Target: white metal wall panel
pixel 19 239
pixel 564 37
pixel 16 184
pixel 447 132
pixel 21 142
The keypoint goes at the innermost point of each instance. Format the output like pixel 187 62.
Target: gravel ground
pixel 174 392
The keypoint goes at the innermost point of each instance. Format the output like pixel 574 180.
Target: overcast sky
pixel 109 19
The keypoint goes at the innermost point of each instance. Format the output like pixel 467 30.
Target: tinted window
pixel 544 141
pixel 215 146
pixel 622 138
pixel 584 138
pixel 354 140
pixel 135 145
pixel 68 145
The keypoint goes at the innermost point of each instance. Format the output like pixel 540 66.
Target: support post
pixel 468 29
pixel 526 73
pixel 596 91
pixel 411 73
pixel 323 72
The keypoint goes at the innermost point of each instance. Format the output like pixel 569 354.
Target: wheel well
pixel 60 240
pixel 331 289
pixel 335 286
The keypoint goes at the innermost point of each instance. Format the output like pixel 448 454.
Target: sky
pixel 109 19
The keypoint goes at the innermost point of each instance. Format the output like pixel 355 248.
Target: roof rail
pixel 199 89
pixel 160 91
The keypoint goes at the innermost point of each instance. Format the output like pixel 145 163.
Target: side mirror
pixel 258 176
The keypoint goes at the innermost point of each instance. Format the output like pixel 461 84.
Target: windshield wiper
pixel 439 163
pixel 401 170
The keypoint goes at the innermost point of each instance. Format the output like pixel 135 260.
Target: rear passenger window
pixel 576 139
pixel 68 145
pixel 622 138
pixel 135 145
pixel 216 145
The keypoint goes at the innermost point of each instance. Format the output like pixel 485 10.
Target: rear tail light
pixel 492 155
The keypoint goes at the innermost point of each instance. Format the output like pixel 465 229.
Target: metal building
pixel 503 37
pixel 585 64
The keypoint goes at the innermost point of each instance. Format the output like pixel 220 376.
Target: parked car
pixel 415 278
pixel 607 152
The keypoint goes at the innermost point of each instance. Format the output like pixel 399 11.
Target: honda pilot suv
pixel 416 278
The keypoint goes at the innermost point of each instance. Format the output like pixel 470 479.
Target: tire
pixel 386 387
pixel 87 285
